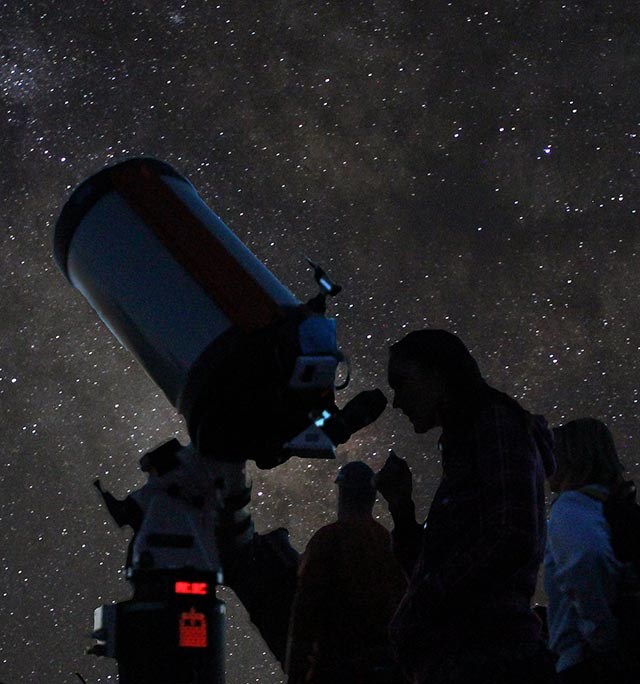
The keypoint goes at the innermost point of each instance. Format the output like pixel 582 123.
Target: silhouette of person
pixel 466 616
pixel 585 582
pixel 349 585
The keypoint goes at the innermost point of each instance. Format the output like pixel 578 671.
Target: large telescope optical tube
pixel 233 350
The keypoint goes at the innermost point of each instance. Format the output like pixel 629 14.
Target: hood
pixel 544 442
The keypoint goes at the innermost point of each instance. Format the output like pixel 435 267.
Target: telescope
pixel 251 370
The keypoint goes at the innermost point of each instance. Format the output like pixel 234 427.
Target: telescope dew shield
pixel 209 323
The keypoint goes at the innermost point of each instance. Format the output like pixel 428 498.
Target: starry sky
pixel 470 165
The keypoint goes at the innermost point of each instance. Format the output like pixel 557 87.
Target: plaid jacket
pixel 474 564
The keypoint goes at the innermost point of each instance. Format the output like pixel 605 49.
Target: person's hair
pixel 442 351
pixel 586 454
pixel 357 498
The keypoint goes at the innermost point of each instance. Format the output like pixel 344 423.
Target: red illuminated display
pixel 198 588
pixel 193 630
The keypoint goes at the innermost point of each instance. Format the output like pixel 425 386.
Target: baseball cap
pixel 356 474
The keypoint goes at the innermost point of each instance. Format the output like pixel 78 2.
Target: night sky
pixel 465 165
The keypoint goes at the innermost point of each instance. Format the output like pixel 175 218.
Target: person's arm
pixel 587 570
pixel 505 533
pixel 406 536
pixel 394 482
pixel 307 616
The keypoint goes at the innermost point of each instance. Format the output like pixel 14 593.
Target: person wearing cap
pixel 349 585
pixel 466 617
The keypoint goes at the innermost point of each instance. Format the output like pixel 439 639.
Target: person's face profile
pixel 418 392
